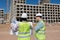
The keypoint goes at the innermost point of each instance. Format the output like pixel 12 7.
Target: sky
pixel 3 4
pixel 55 1
pixel 34 2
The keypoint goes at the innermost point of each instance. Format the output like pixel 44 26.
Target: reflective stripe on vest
pixel 23 36
pixel 41 32
pixel 24 32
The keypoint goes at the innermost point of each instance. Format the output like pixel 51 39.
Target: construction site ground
pixel 52 32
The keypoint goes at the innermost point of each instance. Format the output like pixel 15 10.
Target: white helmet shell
pixel 24 15
pixel 38 14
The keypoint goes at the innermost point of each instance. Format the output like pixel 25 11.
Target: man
pixel 40 28
pixel 24 28
pixel 13 26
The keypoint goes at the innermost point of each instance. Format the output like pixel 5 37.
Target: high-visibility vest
pixel 24 30
pixel 40 34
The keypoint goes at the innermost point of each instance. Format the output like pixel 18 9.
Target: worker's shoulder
pixel 19 22
pixel 27 22
pixel 30 22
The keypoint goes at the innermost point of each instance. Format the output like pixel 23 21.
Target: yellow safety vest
pixel 24 30
pixel 40 34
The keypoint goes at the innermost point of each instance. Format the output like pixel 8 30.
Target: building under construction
pixel 1 16
pixel 51 12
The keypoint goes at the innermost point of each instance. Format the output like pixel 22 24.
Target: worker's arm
pixel 31 28
pixel 12 26
pixel 11 29
pixel 17 26
pixel 31 25
pixel 16 29
pixel 40 25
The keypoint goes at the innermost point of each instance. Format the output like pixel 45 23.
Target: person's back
pixel 24 31
pixel 24 28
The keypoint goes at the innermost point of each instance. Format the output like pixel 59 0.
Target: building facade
pixel 51 12
pixel 7 18
pixel 1 16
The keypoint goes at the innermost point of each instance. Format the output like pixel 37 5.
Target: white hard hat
pixel 38 14
pixel 24 15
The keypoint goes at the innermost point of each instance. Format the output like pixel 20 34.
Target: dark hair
pixel 23 19
pixel 39 16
